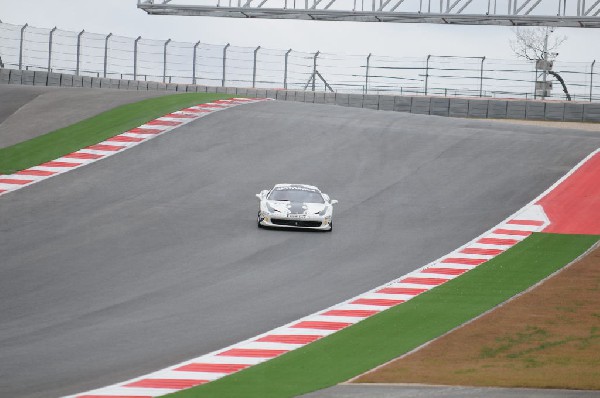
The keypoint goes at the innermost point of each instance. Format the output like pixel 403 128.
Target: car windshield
pixel 296 195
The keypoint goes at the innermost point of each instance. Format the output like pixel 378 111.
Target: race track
pixel 153 256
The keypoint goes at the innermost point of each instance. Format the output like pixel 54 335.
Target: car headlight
pixel 324 211
pixel 271 209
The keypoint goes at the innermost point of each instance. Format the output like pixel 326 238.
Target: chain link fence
pixel 107 55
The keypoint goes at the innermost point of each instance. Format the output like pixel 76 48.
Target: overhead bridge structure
pixel 557 13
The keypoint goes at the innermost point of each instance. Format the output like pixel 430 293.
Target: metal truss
pixel 557 13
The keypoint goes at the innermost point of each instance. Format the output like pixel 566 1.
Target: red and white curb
pixel 215 365
pixel 116 144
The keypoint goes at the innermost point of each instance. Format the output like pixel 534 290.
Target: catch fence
pixel 106 55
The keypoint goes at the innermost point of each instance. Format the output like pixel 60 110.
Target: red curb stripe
pixel 511 232
pixel 180 116
pixel 212 367
pixel 526 222
pixel 290 338
pixel 3 190
pixel 466 261
pixel 320 325
pixel 83 155
pixel 124 138
pixel 60 164
pixel 351 313
pixel 378 302
pixel 401 290
pixel 487 252
pixel 445 271
pixel 141 130
pixel 252 353
pixel 14 181
pixel 172 384
pixel 496 241
pixel 425 281
pixel 102 147
pixel 158 122
pixel 210 106
pixel 41 173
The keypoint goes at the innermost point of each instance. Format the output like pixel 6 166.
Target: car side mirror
pixel 334 201
pixel 262 193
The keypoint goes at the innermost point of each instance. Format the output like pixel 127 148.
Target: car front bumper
pixel 309 222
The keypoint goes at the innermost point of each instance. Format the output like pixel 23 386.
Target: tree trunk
pixel 562 82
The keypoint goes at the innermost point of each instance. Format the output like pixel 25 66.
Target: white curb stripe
pixel 13 182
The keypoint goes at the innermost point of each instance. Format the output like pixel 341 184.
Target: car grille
pixel 297 223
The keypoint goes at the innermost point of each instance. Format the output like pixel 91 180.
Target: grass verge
pixel 383 337
pixel 95 129
pixel 546 338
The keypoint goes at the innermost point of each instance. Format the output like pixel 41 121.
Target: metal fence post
pixel 135 56
pixel 314 76
pixel 106 52
pixel 427 73
pixel 367 74
pixel 592 79
pixel 79 51
pixel 224 64
pixel 481 78
pixel 254 68
pixel 194 62
pixel 21 46
pixel 285 71
pixel 50 49
pixel 165 61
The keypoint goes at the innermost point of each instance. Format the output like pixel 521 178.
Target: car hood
pixel 296 207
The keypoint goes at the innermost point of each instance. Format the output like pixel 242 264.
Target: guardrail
pixel 427 105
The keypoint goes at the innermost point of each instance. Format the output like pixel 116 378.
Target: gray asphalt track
pixel 29 111
pixel 152 256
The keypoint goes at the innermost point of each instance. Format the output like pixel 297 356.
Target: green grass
pixel 95 129
pixel 383 337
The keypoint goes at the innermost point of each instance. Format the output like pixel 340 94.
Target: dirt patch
pixel 546 338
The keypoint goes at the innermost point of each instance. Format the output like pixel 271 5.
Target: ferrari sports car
pixel 295 206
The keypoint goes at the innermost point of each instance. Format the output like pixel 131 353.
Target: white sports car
pixel 295 206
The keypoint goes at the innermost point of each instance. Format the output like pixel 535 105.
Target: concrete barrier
pixel 40 78
pixel 403 104
pixel 386 102
pixel 66 80
pixel 342 99
pixel 459 107
pixel 15 77
pixel 319 98
pixel 573 112
pixel 421 105
pixel 478 109
pixel 355 100
pixel 54 79
pixel 370 101
pixel 497 109
pixel 28 77
pixel 535 110
pixel 5 76
pixel 516 110
pixel 555 111
pixel 591 112
pixel 440 106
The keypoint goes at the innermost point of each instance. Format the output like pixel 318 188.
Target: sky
pixel 123 18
